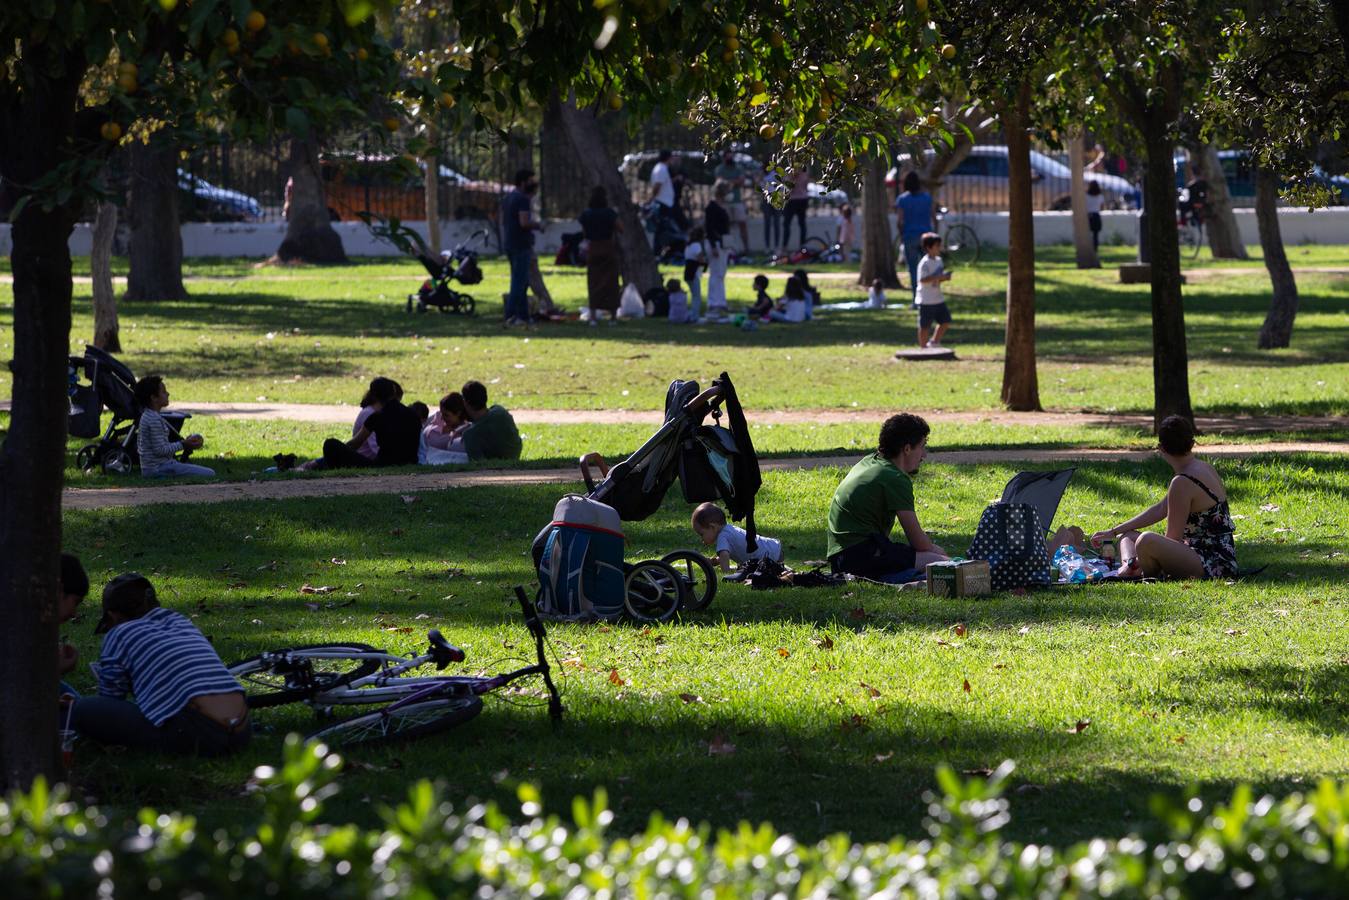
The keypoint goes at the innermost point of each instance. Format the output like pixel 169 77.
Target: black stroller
pixel 459 264
pixel 712 462
pixel 110 385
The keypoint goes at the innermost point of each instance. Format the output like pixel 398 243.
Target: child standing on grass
pixel 695 260
pixel 931 302
pixel 710 524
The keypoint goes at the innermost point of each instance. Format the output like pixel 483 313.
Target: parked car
pixel 202 201
pixel 393 186
pixel 1240 176
pixel 698 168
pixel 980 182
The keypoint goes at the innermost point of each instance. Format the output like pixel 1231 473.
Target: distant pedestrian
pixel 517 240
pixel 798 201
pixel 599 223
pixel 1094 201
pixel 846 234
pixel 695 260
pixel 914 210
pixel 736 179
pixel 662 200
pixel 772 216
pixel 716 222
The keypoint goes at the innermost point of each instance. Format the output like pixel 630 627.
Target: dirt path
pixel 288 488
pixel 339 414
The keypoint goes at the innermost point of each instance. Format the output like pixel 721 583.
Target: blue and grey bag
pixel 579 558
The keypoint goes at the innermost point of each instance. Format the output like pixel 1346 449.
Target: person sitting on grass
pixel 763 304
pixel 397 428
pixel 811 293
pixel 710 524
pixel 186 700
pixel 74 588
pixel 931 302
pixel 442 438
pixel 492 433
pixel 877 491
pixel 1198 542
pixel 793 304
pixel 155 438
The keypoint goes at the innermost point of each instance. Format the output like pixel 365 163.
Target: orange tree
pixel 244 67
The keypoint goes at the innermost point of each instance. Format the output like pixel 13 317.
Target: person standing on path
pixel 914 211
pixel 517 241
pixel 798 201
pixel 599 223
pixel 736 179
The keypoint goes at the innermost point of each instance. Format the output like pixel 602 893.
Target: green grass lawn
pixel 320 334
pixel 838 702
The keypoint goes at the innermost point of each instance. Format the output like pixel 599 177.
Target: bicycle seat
pixel 442 651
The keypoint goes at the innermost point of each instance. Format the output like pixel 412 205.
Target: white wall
pixel 1327 226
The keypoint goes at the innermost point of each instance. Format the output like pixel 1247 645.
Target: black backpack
pixel 1011 538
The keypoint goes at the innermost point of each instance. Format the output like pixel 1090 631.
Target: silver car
pixel 980 182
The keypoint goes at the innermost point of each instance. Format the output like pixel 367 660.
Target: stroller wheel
pixel 700 579
pixel 652 591
pixel 467 305
pixel 87 458
pixel 411 297
pixel 116 461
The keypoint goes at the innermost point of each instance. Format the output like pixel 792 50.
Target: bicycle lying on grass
pixel 330 675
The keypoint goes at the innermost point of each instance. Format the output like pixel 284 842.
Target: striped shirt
pixel 152 442
pixel 164 661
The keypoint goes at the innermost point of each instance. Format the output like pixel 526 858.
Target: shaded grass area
pixel 320 334
pixel 1198 684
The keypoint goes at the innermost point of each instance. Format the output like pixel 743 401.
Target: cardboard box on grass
pixel 966 578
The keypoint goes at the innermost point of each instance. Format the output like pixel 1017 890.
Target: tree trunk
pixel 1020 384
pixel 1224 237
pixel 1170 364
pixel 878 247
pixel 309 232
pixel 1278 328
pixel 639 262
pixel 1082 243
pixel 100 267
pixel 35 128
pixel 432 184
pixel 152 212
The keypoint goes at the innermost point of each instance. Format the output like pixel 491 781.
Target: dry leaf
pixel 573 662
pixel 942 642
pixel 855 722
pixel 959 629
pixel 871 691
pixel 859 613
pixel 1269 507
pixel 967 688
pixel 784 652
pixel 720 746
pixel 1025 629
pixel 1079 727
pixel 1179 739
pixel 882 757
pixel 1235 631
pixel 824 643
pixel 981 773
pixel 307 588
pixel 615 678
pixel 1000 665
pixel 690 698
pixel 410 499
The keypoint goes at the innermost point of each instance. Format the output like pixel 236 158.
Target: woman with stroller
pixel 155 439
pixel 1198 541
pixel 599 223
pixel 396 428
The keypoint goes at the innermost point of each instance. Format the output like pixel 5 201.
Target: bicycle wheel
pixel 1188 235
pixel 400 722
pixel 652 591
pixel 298 673
pixel 814 248
pixel 961 244
pixel 698 575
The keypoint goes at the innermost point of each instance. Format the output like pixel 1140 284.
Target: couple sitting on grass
pixel 186 700
pixel 878 491
pixel 388 433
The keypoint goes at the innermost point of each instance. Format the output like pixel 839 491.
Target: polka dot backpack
pixel 1011 537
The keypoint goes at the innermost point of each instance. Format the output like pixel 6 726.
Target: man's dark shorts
pixel 875 557
pixel 936 314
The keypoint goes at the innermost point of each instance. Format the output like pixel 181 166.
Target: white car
pixel 980 182
pixel 698 167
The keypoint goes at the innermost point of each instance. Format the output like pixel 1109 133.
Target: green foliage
pixel 51 847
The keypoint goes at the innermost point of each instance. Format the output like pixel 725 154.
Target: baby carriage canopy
pixel 712 462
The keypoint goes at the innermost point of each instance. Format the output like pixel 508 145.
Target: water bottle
pixel 1070 564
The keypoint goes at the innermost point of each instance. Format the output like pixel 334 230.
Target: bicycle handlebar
pixel 535 626
pixel 442 651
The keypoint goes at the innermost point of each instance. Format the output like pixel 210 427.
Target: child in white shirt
pixel 710 524
pixel 876 294
pixel 695 259
pixel 931 302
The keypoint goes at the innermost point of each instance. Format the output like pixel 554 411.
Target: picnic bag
pixel 1010 537
pixel 579 559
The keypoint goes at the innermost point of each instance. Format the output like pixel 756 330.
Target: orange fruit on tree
pixel 391 123
pixel 110 131
pixel 730 30
pixel 921 6
pixel 362 54
pixel 733 43
pixel 767 131
pixel 728 56
pixel 255 22
pixel 320 40
pixel 850 163
pixel 948 51
pixel 615 102
pixel 127 82
pixel 447 100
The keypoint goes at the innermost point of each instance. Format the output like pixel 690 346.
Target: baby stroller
pixel 579 554
pixel 459 264
pixel 110 385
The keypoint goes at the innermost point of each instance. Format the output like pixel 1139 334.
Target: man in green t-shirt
pixel 492 434
pixel 875 493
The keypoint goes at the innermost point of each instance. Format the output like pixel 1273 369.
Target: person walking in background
pixel 663 200
pixel 1094 200
pixel 846 234
pixel 772 216
pixel 798 201
pixel 736 179
pixel 599 223
pixel 716 223
pixel 695 260
pixel 517 241
pixel 914 210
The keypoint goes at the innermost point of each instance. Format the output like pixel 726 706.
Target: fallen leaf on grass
pixel 1024 629
pixel 400 629
pixel 690 698
pixel 308 588
pixel 966 688
pixel 1079 727
pixel 855 722
pixel 1269 507
pixel 615 678
pixel 942 642
pixel 1235 631
pixel 1179 739
pixel 981 773
pixel 959 629
pixel 824 643
pixel 573 662
pixel 784 652
pixel 1000 665
pixel 720 746
pixel 871 691
pixel 410 499
pixel 237 584
pixel 859 613
pixel 882 757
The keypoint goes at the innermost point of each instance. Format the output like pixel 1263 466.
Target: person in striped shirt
pixel 186 700
pixel 154 440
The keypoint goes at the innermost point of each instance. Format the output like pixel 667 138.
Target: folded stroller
pixel 110 385
pixel 579 554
